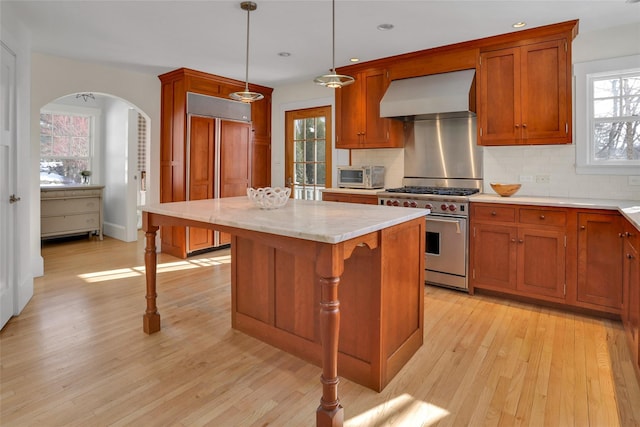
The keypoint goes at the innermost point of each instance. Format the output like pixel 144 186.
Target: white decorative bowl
pixel 269 197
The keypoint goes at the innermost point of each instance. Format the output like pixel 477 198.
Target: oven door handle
pixel 457 223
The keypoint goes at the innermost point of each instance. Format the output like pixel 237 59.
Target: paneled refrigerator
pixel 218 159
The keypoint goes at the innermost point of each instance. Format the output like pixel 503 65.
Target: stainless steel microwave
pixel 361 176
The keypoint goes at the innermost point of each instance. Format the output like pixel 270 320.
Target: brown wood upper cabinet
pixel 524 94
pixel 358 123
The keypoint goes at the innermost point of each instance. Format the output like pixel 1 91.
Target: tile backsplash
pixel 391 158
pixel 509 164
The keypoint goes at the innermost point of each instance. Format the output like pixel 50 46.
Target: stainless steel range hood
pixel 437 96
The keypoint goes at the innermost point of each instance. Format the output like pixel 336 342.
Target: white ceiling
pixel 159 36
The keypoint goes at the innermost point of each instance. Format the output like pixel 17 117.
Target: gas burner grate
pixel 440 191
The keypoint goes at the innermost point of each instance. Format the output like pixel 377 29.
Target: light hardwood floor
pixel 77 356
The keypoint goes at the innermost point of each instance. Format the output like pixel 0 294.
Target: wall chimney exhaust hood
pixel 437 96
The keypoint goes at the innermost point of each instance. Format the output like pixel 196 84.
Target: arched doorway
pixel 116 135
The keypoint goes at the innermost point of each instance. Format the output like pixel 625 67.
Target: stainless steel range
pixel 447 236
pixel 442 165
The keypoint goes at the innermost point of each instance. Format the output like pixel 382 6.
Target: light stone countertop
pixel 54 187
pixel 327 222
pixel 630 209
pixel 372 192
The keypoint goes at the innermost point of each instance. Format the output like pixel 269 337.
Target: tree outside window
pixel 616 118
pixel 65 147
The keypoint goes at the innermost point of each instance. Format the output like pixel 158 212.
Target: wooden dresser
pixel 71 210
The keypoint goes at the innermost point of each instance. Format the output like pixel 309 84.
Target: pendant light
pixel 246 95
pixel 334 80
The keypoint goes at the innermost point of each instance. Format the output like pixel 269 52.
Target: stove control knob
pixel 443 207
pixel 389 203
pixel 453 208
pixel 428 206
pixel 405 204
pixel 413 204
pixel 396 203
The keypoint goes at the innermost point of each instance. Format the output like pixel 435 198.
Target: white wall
pixel 17 38
pixel 294 97
pixel 53 77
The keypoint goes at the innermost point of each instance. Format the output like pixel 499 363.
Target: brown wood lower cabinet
pixel 578 258
pixel 367 199
pixel 519 250
pixel 381 295
pixel 631 291
pixel 599 268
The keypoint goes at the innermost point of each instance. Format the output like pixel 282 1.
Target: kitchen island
pixel 286 268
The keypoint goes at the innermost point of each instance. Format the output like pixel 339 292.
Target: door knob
pixel 13 198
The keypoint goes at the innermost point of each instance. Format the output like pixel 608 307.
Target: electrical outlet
pixel 526 178
pixel 543 179
pixel 634 180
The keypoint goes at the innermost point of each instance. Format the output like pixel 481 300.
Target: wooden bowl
pixel 505 190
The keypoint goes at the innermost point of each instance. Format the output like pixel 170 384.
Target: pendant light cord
pixel 333 32
pixel 246 70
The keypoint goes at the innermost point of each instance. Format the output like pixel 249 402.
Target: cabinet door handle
pixel 13 199
pixel 524 125
pixel 520 241
pixel 513 240
pixel 621 235
pixel 517 125
pixel 493 213
pixel 629 256
pixel 541 216
pixel 582 227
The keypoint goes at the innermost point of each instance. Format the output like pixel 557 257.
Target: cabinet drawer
pixel 70 206
pixel 543 217
pixel 61 194
pixel 70 224
pixel 494 213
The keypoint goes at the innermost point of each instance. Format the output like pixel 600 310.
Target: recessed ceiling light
pixel 284 54
pixel 385 27
pixel 354 59
pixel 519 24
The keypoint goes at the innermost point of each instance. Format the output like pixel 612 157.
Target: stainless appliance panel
pixel 444 148
pixel 445 243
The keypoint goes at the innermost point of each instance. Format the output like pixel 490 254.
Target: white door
pixel 133 177
pixel 7 182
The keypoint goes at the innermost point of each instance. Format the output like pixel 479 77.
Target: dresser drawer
pixel 69 206
pixel 543 217
pixel 494 213
pixel 69 224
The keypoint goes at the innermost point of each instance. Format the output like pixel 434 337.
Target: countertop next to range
pixel 368 192
pixel 630 209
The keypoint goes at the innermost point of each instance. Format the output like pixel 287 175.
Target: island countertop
pixel 327 222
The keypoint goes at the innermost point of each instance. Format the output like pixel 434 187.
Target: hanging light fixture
pixel 246 95
pixel 334 80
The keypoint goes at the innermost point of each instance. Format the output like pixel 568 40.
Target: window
pixel 308 151
pixel 66 146
pixel 608 116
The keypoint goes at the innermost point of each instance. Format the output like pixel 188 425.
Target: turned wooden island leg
pixel 151 317
pixel 330 413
